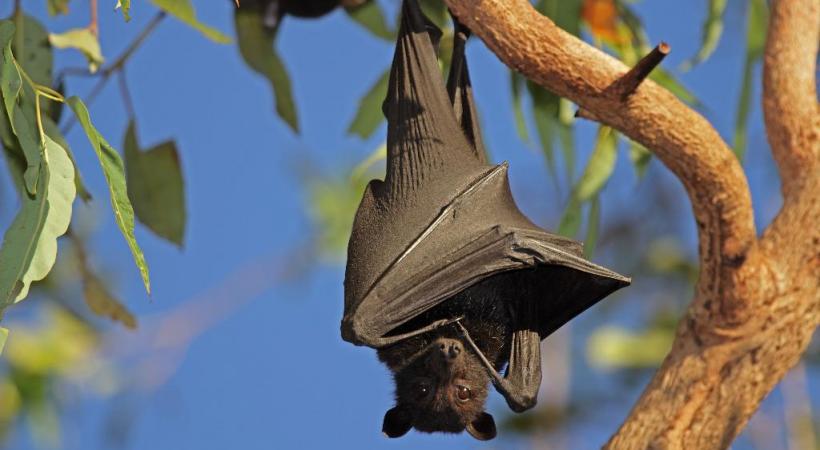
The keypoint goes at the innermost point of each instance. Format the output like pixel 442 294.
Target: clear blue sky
pixel 275 374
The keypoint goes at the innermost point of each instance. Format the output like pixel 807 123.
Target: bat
pixel 445 277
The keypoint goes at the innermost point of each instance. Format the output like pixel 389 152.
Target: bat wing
pixel 443 220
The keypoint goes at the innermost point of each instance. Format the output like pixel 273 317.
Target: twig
pixel 117 65
pixel 94 25
pixel 632 79
pixel 127 100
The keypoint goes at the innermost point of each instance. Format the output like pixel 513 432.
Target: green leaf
pixel 10 81
pixel 54 133
pixel 436 11
pixel 370 114
pixel 30 145
pixel 600 165
pixel 156 187
pixel 56 7
pixel 33 51
pixel 614 347
pixel 125 5
pixel 571 220
pixel 4 335
pixel 640 157
pixel 256 47
pixel 370 16
pixel 593 227
pixel 665 79
pixel 517 82
pixel 81 39
pixel 710 34
pixel 545 115
pixel 756 28
pixel 114 172
pixel 30 244
pixel 183 10
pixel 565 13
pixel 102 303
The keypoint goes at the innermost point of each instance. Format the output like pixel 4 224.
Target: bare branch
pixel 789 94
pixel 630 81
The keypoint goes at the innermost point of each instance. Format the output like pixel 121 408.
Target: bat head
pixel 443 389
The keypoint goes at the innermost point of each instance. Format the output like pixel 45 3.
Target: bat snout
pixel 450 349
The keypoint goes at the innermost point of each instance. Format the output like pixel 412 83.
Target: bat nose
pixel 450 348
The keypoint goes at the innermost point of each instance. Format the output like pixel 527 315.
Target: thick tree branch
pixel 756 303
pixel 683 140
pixel 789 95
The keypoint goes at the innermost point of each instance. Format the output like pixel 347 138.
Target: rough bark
pixel 757 300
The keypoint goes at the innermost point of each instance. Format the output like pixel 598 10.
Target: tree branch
pixel 789 95
pixel 756 303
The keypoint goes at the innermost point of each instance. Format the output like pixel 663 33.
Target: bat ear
pixel 397 422
pixel 482 427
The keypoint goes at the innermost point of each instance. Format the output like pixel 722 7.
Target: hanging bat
pixel 445 277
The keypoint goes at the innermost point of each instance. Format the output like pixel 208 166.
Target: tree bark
pixel 757 300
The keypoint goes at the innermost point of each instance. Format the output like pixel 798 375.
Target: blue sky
pixel 274 373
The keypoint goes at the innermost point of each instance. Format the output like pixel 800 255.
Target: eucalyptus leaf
pixel 102 303
pixel 571 219
pixel 114 172
pixel 56 7
pixel 256 45
pixel 81 39
pixel 54 133
pixel 33 50
pixel 30 145
pixel 600 165
pixel 10 81
pixel 370 16
pixel 370 114
pixel 4 335
pixel 517 83
pixel 618 348
pixel 640 157
pixel 710 34
pixel 756 28
pixel 545 115
pixel 30 244
pixel 593 227
pixel 156 187
pixel 184 11
pixel 125 5
pixel 565 13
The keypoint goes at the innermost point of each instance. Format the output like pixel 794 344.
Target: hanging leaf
pixel 85 41
pixel 600 165
pixel 35 56
pixel 4 334
pixel 256 45
pixel 593 227
pixel 370 16
pixel 103 304
pixel 183 10
pixel 545 115
pixel 30 145
pixel 710 34
pixel 436 11
pixel 756 27
pixel 571 220
pixel 517 82
pixel 565 13
pixel 30 244
pixel 54 133
pixel 10 81
pixel 125 5
pixel 114 172
pixel 370 115
pixel 56 7
pixel 640 158
pixel 618 348
pixel 156 187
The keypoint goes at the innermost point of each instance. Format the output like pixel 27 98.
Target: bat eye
pixel 422 390
pixel 463 393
